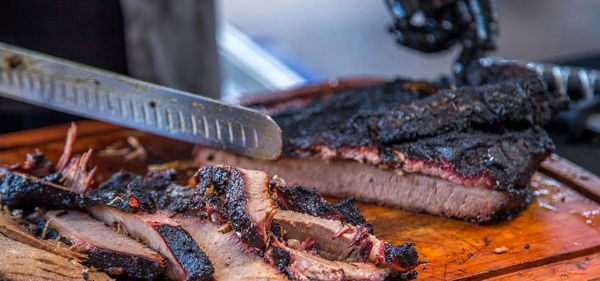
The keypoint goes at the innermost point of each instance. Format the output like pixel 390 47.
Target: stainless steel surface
pixel 81 90
pixel 579 83
pixel 593 123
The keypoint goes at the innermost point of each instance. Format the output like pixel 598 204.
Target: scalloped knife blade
pixel 74 88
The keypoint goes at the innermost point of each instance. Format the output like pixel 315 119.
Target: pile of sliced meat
pixel 466 152
pixel 226 224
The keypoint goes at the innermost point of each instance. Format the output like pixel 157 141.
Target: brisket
pixel 136 192
pixel 465 152
pixel 514 103
pixel 232 259
pixel 309 201
pixel 186 260
pixel 388 187
pixel 322 226
pixel 232 213
pixel 336 241
pixel 240 197
pixel 10 228
pixel 301 265
pixel 23 191
pixel 107 250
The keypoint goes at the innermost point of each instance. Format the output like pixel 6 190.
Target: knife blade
pixel 74 88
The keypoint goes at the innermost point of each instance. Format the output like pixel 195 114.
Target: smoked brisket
pixel 436 146
pixel 245 220
pixel 112 252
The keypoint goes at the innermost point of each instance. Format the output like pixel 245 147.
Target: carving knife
pixel 74 88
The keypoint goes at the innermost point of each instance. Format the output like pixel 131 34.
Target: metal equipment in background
pixel 433 26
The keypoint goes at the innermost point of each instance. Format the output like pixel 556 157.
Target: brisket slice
pixel 232 259
pixel 186 260
pixel 11 228
pixel 23 191
pixel 336 241
pixel 301 265
pixel 240 197
pixel 107 250
pixel 309 201
pixel 464 152
pixel 370 184
pixel 333 238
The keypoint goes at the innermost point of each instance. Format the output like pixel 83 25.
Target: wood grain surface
pixel 583 268
pixel 575 176
pixel 561 225
pixel 23 262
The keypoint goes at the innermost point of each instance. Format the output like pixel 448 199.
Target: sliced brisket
pixel 308 200
pixel 10 228
pixel 240 197
pixel 336 241
pixel 464 152
pixel 233 260
pixel 301 265
pixel 23 191
pixel 322 226
pixel 107 250
pixel 388 187
pixel 186 260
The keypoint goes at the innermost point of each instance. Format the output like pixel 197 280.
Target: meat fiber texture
pixel 267 215
pixel 224 214
pixel 486 134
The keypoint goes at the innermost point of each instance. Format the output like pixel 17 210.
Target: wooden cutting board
pixel 557 237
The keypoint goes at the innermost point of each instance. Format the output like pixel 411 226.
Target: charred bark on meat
pixel 309 201
pixel 27 192
pixel 225 192
pixel 106 249
pixel 485 133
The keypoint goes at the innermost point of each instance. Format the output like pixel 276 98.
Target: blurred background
pixel 249 47
pixel 350 38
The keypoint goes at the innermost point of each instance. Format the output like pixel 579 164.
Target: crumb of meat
pixel 500 250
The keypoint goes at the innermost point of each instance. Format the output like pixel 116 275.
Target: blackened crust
pixel 281 259
pixel 222 188
pixel 405 255
pixel 26 192
pixel 129 265
pixel 193 260
pixel 486 133
pixel 133 198
pixel 509 157
pixel 309 201
pixel 180 199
